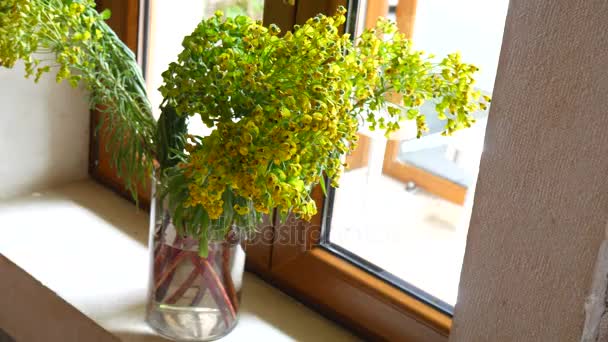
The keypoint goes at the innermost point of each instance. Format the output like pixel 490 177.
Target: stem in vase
pixel 216 288
pixel 202 288
pixel 169 271
pixel 228 276
pixel 183 287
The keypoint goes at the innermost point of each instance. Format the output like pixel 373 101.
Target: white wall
pixel 44 133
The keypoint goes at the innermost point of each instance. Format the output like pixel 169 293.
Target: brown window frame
pixel 340 290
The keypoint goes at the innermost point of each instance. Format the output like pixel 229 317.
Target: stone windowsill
pixel 89 246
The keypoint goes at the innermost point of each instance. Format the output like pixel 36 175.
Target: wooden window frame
pixel 426 180
pixel 291 255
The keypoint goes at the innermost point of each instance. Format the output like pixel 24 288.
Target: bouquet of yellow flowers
pixel 285 109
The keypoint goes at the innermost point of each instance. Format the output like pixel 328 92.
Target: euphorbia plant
pixel 285 109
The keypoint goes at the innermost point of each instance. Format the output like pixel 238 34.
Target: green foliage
pixel 284 109
pixel 71 38
pixel 170 137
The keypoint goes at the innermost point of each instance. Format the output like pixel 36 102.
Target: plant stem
pixel 199 295
pixel 217 291
pixel 160 252
pixel 183 287
pixel 202 289
pixel 163 276
pixel 228 276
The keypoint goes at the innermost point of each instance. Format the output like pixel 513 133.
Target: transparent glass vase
pixel 191 298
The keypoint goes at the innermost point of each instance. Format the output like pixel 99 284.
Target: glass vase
pixel 192 298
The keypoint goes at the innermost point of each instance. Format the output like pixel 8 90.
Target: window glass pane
pixel 404 204
pixel 169 21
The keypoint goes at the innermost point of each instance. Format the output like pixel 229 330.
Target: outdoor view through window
pixel 404 204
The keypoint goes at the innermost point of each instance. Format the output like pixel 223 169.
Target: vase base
pixel 188 324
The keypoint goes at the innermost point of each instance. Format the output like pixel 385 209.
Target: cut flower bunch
pixel 285 109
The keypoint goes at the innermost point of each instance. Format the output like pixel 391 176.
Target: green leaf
pixel 178 218
pixel 106 14
pixel 203 244
pixel 394 111
pixel 412 113
pixel 204 222
pixel 198 215
pixel 323 186
pixel 283 217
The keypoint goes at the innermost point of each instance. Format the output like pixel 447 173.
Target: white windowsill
pixel 89 246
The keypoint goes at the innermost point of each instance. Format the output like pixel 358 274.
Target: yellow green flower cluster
pixel 285 109
pixel 65 29
pixel 72 40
